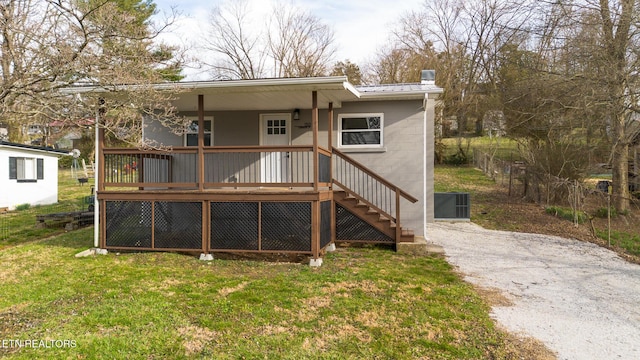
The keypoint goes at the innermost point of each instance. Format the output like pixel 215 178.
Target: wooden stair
pixel 372 216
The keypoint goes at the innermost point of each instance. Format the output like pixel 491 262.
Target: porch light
pixel 296 114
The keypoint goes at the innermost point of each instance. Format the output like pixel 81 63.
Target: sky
pixel 361 27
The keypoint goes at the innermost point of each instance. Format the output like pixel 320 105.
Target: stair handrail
pixel 396 189
pixel 371 173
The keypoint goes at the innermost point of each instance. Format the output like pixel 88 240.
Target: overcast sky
pixel 361 26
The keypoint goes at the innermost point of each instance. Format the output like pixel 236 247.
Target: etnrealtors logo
pixel 37 344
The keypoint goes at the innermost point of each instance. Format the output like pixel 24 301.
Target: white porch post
pixel 96 175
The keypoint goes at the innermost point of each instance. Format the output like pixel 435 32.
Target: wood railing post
pixel 398 229
pixel 201 142
pixel 314 127
pixel 330 143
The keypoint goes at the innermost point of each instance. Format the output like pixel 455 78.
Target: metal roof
pixel 398 91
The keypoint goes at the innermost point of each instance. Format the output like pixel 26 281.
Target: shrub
pixel 567 214
pixel 22 207
pixel 602 212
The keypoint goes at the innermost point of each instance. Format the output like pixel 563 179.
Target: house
pixel 31 175
pixel 275 165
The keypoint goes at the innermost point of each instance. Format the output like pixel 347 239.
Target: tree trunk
pixel 621 177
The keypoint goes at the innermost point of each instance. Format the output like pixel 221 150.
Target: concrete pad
pixel 315 262
pixel 206 257
pixel 91 252
pixel 420 247
pixel 85 253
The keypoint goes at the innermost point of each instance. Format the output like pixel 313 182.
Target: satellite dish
pixel 75 153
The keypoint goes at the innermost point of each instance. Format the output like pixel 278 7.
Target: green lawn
pixel 20 226
pixel 362 303
pixel 503 148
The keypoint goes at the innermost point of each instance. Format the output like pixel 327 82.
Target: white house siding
pixel 41 192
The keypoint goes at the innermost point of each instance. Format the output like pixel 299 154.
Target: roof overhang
pixel 31 148
pixel 272 94
pixel 400 92
pixel 266 94
pixel 258 94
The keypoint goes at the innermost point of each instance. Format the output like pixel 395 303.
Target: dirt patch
pixel 229 290
pixel 196 338
pixel 525 347
pixel 493 296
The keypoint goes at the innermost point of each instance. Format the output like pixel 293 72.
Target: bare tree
pixel 291 43
pixel 591 53
pixel 400 65
pixel 300 44
pixel 50 45
pixel 619 21
pixel 464 37
pixel 243 54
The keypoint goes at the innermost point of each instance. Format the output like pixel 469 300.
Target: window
pixel 191 136
pixel 26 169
pixel 360 130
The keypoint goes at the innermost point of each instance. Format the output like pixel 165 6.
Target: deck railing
pixel 224 166
pixel 369 187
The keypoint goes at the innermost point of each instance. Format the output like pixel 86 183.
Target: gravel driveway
pixel 579 299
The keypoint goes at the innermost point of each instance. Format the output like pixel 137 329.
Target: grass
pixel 630 243
pixel 19 226
pixel 566 213
pixel 504 148
pixel 481 189
pixel 362 303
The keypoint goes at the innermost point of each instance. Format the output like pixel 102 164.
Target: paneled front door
pixel 275 131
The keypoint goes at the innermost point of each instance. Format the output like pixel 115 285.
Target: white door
pixel 275 131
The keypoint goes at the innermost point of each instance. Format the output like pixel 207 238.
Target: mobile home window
pixel 191 136
pixel 26 169
pixel 360 130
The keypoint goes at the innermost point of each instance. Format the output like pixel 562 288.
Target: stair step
pixel 407 232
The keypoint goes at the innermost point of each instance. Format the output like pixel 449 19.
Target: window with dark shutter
pixel 13 168
pixel 40 169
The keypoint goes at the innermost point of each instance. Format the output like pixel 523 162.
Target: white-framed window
pixel 26 169
pixel 191 135
pixel 361 130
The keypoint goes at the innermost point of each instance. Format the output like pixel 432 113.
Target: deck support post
pixel 315 232
pixel 330 148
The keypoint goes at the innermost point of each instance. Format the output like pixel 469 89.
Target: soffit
pixel 276 94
